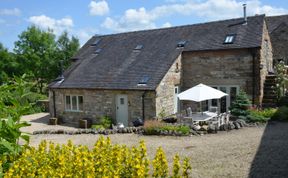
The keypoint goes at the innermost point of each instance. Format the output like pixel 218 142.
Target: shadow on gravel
pixel 271 159
pixel 43 119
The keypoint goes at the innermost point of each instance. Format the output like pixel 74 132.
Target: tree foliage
pixel 8 65
pixel 38 54
pixel 14 102
pixel 281 79
pixel 241 105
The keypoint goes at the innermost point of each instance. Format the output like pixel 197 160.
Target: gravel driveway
pixel 226 154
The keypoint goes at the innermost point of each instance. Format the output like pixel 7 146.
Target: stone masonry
pixel 97 103
pixel 165 90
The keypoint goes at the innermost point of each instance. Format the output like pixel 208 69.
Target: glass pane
pixel 233 93
pixel 68 103
pixel 74 103
pixel 121 100
pixel 80 103
pixel 223 103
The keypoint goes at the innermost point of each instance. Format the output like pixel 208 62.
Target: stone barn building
pixel 139 74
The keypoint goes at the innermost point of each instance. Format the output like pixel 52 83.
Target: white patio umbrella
pixel 200 93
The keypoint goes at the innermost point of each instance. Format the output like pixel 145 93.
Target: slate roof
pixel 119 66
pixel 275 21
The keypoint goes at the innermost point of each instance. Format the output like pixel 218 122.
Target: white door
pixel 176 99
pixel 122 109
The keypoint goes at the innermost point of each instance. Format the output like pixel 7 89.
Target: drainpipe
pixel 254 75
pixel 143 105
pixel 54 104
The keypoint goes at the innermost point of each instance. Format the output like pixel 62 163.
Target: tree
pixel 35 51
pixel 38 54
pixel 8 65
pixel 241 105
pixel 66 48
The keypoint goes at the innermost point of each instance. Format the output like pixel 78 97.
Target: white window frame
pixel 71 104
pixel 176 99
pixel 228 98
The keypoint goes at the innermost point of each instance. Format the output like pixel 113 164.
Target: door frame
pixel 118 113
pixel 228 98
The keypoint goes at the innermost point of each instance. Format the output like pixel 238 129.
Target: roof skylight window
pixel 138 47
pixel 95 42
pixel 97 51
pixel 181 44
pixel 144 80
pixel 229 39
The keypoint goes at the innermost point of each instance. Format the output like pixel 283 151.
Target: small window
pixel 181 44
pixel 97 51
pixel 144 80
pixel 73 103
pixel 138 47
pixel 122 101
pixel 229 39
pixel 68 103
pixel 95 42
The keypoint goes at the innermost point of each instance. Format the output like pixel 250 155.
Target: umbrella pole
pixel 201 107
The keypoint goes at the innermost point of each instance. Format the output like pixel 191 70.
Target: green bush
pixel 281 114
pixel 256 117
pixel 241 105
pixel 97 126
pixel 105 121
pixel 154 127
pixel 261 115
pixel 283 101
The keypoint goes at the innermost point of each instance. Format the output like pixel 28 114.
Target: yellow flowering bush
pixel 103 160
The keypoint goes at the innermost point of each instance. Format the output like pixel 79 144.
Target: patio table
pixel 205 116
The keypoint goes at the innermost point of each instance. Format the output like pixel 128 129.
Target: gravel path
pixel 226 154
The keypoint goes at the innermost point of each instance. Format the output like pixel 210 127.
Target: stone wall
pixel 165 90
pixel 97 103
pixel 266 62
pixel 222 67
pixel 279 40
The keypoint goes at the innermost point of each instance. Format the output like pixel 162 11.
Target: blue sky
pixel 84 18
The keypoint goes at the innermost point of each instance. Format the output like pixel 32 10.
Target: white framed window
pixel 225 102
pixel 229 39
pixel 73 103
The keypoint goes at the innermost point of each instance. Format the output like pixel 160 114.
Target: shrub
pixel 105 122
pixel 255 117
pixel 261 115
pixel 154 127
pixel 283 101
pixel 281 114
pixel 241 105
pixel 104 160
pixel 97 126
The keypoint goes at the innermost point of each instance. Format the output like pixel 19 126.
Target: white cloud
pixel 84 34
pixel 133 19
pixel 10 12
pixel 166 25
pixel 58 26
pixel 98 8
pixel 137 19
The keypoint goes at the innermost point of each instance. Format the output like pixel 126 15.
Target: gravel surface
pixel 226 154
